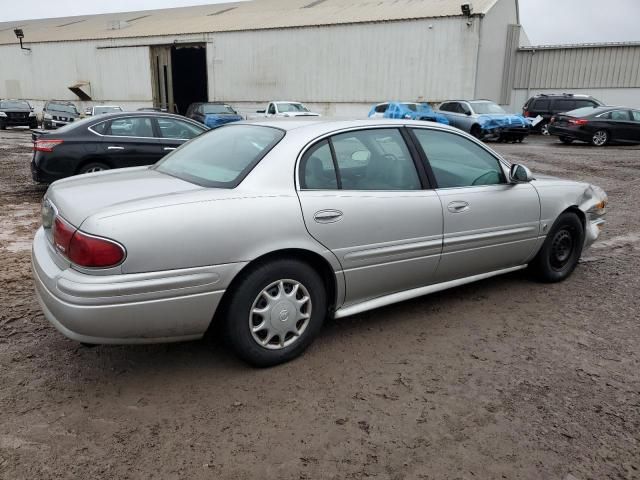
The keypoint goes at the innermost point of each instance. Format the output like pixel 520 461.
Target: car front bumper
pixel 149 307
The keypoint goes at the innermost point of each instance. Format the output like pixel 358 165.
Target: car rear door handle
pixel 111 147
pixel 458 207
pixel 327 216
pixel 167 149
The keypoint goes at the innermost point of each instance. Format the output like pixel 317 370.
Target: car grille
pixel 17 115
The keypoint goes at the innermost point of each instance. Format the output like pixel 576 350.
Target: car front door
pixel 271 110
pixel 131 142
pixel 363 199
pixel 174 132
pixel 489 224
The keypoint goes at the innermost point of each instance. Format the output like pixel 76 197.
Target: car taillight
pixel 526 113
pixel 83 249
pixel 580 121
pixel 46 145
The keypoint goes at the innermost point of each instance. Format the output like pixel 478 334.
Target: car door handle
pixel 327 216
pixel 111 147
pixel 458 207
pixel 167 149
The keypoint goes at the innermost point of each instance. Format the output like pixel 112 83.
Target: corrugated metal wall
pixel 425 59
pixel 578 67
pixel 116 74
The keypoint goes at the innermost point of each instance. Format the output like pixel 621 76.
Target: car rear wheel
pixel 566 140
pixel 600 138
pixel 93 167
pixel 544 128
pixel 275 312
pixel 561 250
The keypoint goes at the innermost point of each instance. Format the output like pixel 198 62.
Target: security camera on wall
pixel 467 9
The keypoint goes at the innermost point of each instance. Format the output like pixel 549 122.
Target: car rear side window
pixel 317 168
pixel 131 127
pixel 177 129
pixel 100 128
pixel 540 105
pixel 620 115
pixel 457 161
pixel 223 157
pixel 376 159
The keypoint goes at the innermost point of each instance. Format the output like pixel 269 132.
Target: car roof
pixel 328 124
pixel 106 116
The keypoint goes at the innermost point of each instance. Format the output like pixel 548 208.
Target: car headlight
pixel 32 114
pixel 48 116
pixel 601 198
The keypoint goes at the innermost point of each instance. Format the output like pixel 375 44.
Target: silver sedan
pixel 260 231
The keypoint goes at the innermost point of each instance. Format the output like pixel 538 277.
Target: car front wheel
pixel 561 250
pixel 275 312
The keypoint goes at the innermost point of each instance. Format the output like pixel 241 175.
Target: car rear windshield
pixel 217 109
pixel 62 107
pixel 582 112
pixel 12 104
pixel 485 108
pixel 222 157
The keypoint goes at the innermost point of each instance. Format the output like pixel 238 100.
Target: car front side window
pixel 635 115
pixel 457 161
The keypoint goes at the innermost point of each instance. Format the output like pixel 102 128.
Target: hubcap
pixel 600 138
pixel 280 314
pixel 561 249
pixel 94 169
pixel 544 129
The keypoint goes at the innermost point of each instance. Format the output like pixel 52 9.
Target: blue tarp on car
pixel 496 121
pixel 413 111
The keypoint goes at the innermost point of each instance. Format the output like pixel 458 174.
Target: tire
pixel 275 281
pixel 93 167
pixel 476 131
pixel 560 251
pixel 544 128
pixel 566 140
pixel 600 138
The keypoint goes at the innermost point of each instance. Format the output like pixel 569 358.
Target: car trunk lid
pixel 77 198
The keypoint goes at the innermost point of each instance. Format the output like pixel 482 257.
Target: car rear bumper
pixel 575 133
pixel 150 307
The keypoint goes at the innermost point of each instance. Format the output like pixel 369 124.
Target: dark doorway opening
pixel 189 76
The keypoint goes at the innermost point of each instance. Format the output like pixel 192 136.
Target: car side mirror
pixel 260 111
pixel 520 174
pixel 468 112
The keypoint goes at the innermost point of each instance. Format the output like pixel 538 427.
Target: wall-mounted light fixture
pixel 20 35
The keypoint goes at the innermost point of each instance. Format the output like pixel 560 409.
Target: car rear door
pixel 362 197
pixel 489 224
pixel 130 142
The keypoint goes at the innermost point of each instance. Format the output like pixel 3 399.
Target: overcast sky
pixel 545 21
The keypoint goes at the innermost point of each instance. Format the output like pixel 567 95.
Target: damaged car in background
pixel 485 120
pixel 257 232
pixel 407 111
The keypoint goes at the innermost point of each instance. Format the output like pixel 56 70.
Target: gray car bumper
pixel 152 307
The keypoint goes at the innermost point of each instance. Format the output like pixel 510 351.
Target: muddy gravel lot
pixel 502 379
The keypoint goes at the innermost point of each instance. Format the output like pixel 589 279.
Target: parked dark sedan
pixel 598 126
pixel 17 113
pixel 212 114
pixel 108 141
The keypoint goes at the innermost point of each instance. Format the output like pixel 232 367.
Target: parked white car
pixel 287 109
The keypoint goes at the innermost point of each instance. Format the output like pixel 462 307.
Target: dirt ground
pixel 502 379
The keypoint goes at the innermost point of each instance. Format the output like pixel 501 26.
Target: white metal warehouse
pixel 336 55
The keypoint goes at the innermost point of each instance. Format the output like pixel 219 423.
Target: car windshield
pixel 582 112
pixel 14 104
pixel 101 110
pixel 485 108
pixel 292 107
pixel 217 109
pixel 62 107
pixel 222 157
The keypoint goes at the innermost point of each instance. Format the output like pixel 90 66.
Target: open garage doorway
pixel 179 76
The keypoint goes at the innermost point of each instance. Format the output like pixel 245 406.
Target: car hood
pixel 79 197
pixel 16 110
pixel 59 113
pixel 501 120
